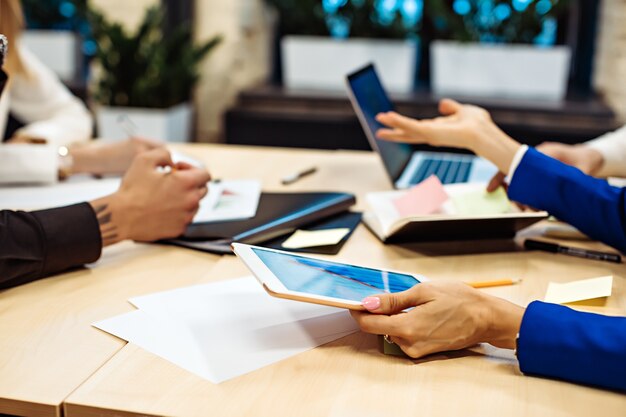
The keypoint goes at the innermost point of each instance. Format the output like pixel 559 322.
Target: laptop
pixel 405 166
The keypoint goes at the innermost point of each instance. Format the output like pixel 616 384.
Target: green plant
pixel 495 21
pixel 146 69
pixel 348 18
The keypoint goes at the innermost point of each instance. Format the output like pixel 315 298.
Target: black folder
pixel 278 214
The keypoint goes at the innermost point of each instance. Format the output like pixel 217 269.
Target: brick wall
pixel 610 63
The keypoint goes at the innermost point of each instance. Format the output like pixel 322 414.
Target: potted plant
pixel 322 41
pixel 146 77
pixel 502 49
pixel 53 34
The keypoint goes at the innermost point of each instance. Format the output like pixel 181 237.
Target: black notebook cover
pixel 278 214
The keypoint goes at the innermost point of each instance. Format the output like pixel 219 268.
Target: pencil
pixel 495 283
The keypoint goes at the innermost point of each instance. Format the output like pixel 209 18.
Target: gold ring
pixel 388 339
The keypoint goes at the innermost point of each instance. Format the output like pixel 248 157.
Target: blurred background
pixel 270 72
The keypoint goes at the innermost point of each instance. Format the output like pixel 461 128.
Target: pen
pixel 127 125
pixel 495 283
pixel 290 179
pixel 566 250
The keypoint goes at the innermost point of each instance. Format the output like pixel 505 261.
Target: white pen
pixel 127 125
pixel 290 179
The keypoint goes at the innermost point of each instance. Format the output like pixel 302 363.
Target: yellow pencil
pixel 495 283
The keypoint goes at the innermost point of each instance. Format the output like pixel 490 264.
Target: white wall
pixel 128 12
pixel 610 65
pixel 242 60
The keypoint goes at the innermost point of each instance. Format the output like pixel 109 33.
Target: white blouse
pixel 49 111
pixel 612 146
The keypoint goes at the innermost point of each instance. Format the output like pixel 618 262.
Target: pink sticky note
pixel 425 198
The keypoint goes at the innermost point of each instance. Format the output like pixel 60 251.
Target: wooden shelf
pixel 277 116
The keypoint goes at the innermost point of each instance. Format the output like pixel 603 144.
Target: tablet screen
pixel 330 279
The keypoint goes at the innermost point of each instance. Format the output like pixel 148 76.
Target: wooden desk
pixel 51 355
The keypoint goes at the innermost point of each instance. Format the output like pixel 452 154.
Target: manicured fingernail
pixel 371 303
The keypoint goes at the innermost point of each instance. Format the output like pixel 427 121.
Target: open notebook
pixel 462 216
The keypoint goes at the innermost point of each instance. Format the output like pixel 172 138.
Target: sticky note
pixel 425 198
pixel 311 238
pixel 481 202
pixel 576 291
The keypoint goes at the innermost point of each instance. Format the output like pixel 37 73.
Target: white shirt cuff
pixel 612 147
pixel 517 158
pixel 28 164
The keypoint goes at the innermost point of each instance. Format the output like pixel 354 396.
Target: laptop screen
pixel 371 98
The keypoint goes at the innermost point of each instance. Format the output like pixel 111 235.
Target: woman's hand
pixel 587 159
pixel 458 128
pixel 461 126
pixel 109 157
pixel 446 316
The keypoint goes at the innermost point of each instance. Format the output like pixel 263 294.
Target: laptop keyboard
pixel 449 172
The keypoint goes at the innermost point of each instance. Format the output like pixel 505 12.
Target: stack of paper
pixel 222 330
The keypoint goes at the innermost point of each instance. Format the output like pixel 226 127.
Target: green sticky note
pixel 480 202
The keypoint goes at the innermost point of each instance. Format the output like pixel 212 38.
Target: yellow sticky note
pixel 308 239
pixel 481 202
pixel 587 289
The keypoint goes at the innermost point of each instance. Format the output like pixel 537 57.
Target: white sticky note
pixel 571 292
pixel 309 239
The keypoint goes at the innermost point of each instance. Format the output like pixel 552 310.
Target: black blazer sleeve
pixel 37 244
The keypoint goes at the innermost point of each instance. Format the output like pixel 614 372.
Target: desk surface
pixel 54 361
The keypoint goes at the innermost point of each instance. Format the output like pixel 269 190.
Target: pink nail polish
pixel 371 303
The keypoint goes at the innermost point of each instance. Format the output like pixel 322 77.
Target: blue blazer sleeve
pixel 589 204
pixel 558 342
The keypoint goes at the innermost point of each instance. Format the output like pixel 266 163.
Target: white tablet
pixel 318 281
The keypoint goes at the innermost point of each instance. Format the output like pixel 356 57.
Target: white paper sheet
pixel 230 200
pixel 76 190
pixel 224 330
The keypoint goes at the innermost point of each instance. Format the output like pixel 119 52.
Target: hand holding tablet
pixel 300 278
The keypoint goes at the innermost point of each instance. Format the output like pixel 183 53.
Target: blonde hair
pixel 11 25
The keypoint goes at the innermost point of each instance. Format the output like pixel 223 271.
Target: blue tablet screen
pixel 332 279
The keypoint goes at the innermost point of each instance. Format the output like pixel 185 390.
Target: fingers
pixel 395 120
pixel 146 143
pixel 496 182
pixel 183 166
pixel 380 324
pixel 195 177
pixel 397 302
pixel 158 157
pixel 448 107
pixel 394 135
pixel 202 192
